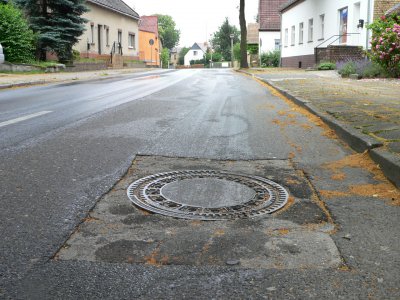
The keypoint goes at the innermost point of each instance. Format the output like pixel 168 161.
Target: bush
pixel 15 36
pixel 165 58
pixel 270 59
pixel 327 66
pixel 76 55
pixel 385 44
pixel 364 67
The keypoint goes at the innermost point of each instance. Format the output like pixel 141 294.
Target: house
pixel 197 52
pixel 317 30
pixel 110 21
pixel 149 42
pixel 270 25
pixel 174 56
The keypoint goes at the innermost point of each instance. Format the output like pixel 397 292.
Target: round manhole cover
pixel 207 195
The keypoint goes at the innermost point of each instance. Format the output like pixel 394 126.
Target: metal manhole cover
pixel 207 195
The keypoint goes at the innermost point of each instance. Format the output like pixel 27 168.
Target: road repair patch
pixel 297 236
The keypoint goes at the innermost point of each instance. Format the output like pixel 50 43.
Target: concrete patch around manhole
pixel 119 232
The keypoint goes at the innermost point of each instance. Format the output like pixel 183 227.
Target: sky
pixel 197 20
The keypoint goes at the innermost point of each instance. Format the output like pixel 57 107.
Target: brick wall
pixel 339 53
pixel 381 6
pixel 306 61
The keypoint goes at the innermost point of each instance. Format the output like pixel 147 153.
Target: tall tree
pixel 169 35
pixel 182 54
pixel 222 40
pixel 58 23
pixel 243 39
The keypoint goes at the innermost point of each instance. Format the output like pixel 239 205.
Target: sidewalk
pixel 10 80
pixel 364 113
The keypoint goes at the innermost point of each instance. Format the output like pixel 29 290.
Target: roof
pixel 118 6
pixel 289 4
pixel 252 33
pixel 199 46
pixel 269 14
pixel 149 24
pixel 394 10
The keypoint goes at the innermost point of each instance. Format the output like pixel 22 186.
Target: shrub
pixel 76 55
pixel 364 67
pixel 327 66
pixel 165 58
pixel 15 36
pixel 270 59
pixel 385 44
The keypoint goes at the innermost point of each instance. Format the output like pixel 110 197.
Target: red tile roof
pixel 149 24
pixel 269 14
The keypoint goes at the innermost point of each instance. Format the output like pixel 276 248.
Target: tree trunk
pixel 243 39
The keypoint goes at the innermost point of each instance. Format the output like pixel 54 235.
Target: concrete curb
pixel 388 162
pixel 21 84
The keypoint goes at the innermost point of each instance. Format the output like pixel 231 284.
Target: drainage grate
pixel 207 195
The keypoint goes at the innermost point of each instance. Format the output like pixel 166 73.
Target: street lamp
pixel 232 36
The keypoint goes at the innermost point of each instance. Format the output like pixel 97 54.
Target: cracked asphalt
pixel 63 188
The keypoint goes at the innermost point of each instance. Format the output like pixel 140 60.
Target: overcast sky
pixel 196 19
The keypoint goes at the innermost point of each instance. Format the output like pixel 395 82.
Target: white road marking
pixel 24 118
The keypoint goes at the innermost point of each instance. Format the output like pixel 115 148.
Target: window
pixel 310 30
pixel 293 36
pixel 194 53
pixel 286 37
pixel 277 44
pixel 322 28
pixel 107 36
pixel 301 33
pixel 260 43
pixel 92 33
pixel 119 36
pixel 131 40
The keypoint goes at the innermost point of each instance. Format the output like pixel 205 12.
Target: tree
pixel 222 40
pixel 169 35
pixel 165 58
pixel 243 38
pixel 58 23
pixel 182 54
pixel 15 35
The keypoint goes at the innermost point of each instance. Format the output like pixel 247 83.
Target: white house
pixel 310 27
pixel 197 52
pixel 270 25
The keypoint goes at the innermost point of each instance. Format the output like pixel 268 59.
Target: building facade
pixel 110 21
pixel 195 53
pixel 313 28
pixel 149 42
pixel 270 25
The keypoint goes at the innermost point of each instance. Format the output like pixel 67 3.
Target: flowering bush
pixel 385 44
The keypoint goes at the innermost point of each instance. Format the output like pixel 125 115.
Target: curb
pixel 388 162
pixel 21 84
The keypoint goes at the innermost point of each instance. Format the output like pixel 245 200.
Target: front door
pixel 343 25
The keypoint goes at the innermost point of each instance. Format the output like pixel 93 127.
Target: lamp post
pixel 232 36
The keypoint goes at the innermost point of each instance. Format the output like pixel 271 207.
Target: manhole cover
pixel 207 195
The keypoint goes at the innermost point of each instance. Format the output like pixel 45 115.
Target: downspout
pixel 368 22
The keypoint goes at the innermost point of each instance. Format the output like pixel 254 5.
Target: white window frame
pixel 286 37
pixel 322 26
pixel 301 33
pixel 92 33
pixel 310 30
pixel 293 36
pixel 107 36
pixel 131 40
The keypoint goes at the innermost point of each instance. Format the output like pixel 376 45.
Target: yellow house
pixel 111 22
pixel 149 42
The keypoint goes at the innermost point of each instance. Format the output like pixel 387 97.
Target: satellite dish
pixel 151 42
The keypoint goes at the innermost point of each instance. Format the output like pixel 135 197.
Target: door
pixel 343 25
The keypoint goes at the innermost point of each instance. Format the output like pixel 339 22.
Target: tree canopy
pixel 169 35
pixel 221 39
pixel 58 23
pixel 15 35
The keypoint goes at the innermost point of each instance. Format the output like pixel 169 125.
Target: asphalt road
pixel 64 146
